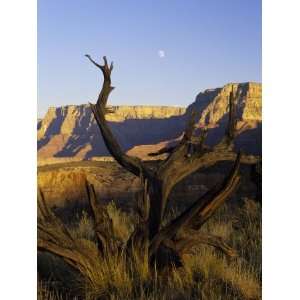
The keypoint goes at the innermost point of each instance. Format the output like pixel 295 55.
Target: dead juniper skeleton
pixel 161 246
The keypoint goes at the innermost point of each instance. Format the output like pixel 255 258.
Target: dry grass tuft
pixel 44 292
pixel 207 274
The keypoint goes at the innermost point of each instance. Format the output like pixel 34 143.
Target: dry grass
pixel 207 274
pixel 44 292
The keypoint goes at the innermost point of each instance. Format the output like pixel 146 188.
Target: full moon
pixel 161 53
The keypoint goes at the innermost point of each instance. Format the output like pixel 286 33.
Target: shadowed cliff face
pixel 71 131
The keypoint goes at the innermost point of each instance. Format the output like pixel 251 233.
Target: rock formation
pixel 70 132
pixel 211 107
pixel 212 104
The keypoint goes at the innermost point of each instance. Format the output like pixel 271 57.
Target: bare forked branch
pixel 106 87
pixel 132 164
pixel 221 192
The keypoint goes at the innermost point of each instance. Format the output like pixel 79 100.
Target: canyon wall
pixel 71 133
pixel 211 107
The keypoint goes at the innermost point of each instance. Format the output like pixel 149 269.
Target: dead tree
pixel 162 245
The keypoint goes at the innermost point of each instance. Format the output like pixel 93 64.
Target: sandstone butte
pixel 69 133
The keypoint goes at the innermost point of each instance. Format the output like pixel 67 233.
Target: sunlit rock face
pixel 70 132
pixel 212 106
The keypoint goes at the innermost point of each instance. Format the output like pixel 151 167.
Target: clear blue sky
pixel 205 44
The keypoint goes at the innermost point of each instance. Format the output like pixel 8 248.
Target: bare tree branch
pixel 54 237
pixel 191 155
pixel 230 131
pixel 132 164
pixel 103 225
pixel 203 208
pixel 162 151
pixel 194 238
pixel 106 87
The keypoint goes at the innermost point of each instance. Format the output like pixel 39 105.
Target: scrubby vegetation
pixel 206 273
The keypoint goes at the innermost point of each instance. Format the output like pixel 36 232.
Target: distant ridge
pixel 70 132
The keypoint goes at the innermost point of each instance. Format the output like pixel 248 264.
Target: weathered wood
pixel 103 225
pixel 138 242
pixel 162 151
pixel 197 214
pixel 191 239
pixel 132 164
pixel 54 237
pixel 230 131
pixel 106 87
